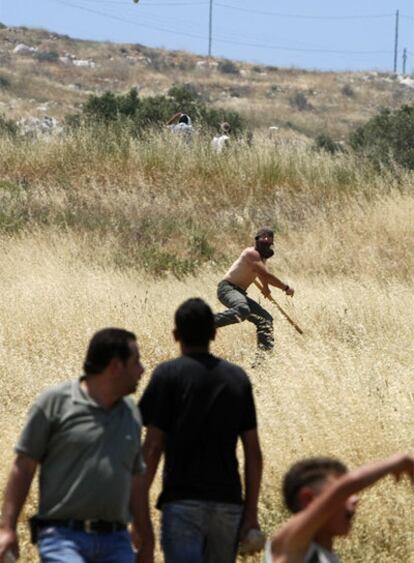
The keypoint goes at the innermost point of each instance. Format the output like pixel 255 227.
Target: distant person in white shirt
pixel 181 124
pixel 221 140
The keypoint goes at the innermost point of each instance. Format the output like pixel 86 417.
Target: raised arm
pixel 301 529
pixel 142 526
pixel 17 489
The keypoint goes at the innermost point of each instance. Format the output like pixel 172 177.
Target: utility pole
pixel 210 28
pixel 397 18
pixel 404 61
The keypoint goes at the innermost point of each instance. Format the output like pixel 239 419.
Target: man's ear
pixel 114 365
pixel 305 497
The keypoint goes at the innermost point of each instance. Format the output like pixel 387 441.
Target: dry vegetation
pixel 264 95
pixel 80 212
pixel 98 229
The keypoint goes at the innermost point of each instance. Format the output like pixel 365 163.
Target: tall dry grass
pixel 344 242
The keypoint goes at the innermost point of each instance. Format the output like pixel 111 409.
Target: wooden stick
pixel 282 311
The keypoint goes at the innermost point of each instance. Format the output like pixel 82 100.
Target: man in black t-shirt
pixel 195 409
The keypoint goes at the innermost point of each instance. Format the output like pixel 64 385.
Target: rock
pixel 22 49
pixel 36 126
pixel 406 81
pixel 84 63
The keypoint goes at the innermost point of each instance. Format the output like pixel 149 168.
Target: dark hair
pixel 105 345
pixel 264 231
pixel 194 322
pixel 308 472
pixel 183 118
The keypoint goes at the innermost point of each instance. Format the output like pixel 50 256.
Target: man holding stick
pixel 232 290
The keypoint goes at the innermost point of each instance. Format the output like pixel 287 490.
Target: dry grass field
pixel 97 229
pixel 119 232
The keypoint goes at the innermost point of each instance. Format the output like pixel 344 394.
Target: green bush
pixel 4 82
pixel 326 143
pixel 47 57
pixel 348 91
pixel 228 67
pixel 138 114
pixel 299 101
pixel 387 137
pixel 7 126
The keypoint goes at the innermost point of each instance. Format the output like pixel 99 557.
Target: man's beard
pixel 264 249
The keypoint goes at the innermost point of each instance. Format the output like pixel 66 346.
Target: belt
pixel 234 286
pixel 88 526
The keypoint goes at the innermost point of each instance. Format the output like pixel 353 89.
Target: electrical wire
pixel 303 17
pixel 144 5
pixel 223 39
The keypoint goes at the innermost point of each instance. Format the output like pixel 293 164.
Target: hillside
pixel 99 227
pixel 43 73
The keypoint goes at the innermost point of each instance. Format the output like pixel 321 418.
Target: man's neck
pixel 185 350
pixel 325 540
pixel 99 391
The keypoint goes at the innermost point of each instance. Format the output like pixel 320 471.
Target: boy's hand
pixel 403 465
pixel 8 542
pixel 290 291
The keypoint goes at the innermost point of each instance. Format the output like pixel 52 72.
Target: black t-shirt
pixel 202 404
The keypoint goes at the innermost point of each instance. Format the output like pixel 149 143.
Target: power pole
pixel 397 19
pixel 404 61
pixel 210 28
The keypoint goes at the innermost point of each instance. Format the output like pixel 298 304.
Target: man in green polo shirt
pixel 85 436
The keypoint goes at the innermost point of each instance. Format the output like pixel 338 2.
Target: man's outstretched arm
pixel 253 466
pixel 270 279
pixel 17 489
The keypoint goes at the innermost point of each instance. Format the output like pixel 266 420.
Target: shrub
pixel 47 57
pixel 7 126
pixel 153 111
pixel 4 82
pixel 110 107
pixel 228 67
pixel 348 91
pixel 387 137
pixel 299 101
pixel 325 143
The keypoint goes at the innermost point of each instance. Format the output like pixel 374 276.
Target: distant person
pixel 322 495
pixel 232 290
pixel 196 407
pixel 181 125
pixel 85 437
pixel 222 140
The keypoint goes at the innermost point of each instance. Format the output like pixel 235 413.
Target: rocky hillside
pixel 46 74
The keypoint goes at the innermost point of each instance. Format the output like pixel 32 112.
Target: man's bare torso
pixel 241 272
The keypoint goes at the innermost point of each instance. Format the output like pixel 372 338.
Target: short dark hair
pixel 194 322
pixel 308 472
pixel 183 118
pixel 105 345
pixel 264 231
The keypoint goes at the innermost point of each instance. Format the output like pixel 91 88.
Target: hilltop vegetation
pixel 60 73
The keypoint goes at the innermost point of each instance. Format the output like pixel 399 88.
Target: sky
pixel 310 34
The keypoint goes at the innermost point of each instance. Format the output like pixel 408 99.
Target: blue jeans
pixel 194 531
pixel 63 545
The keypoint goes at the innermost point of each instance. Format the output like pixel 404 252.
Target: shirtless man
pixel 232 290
